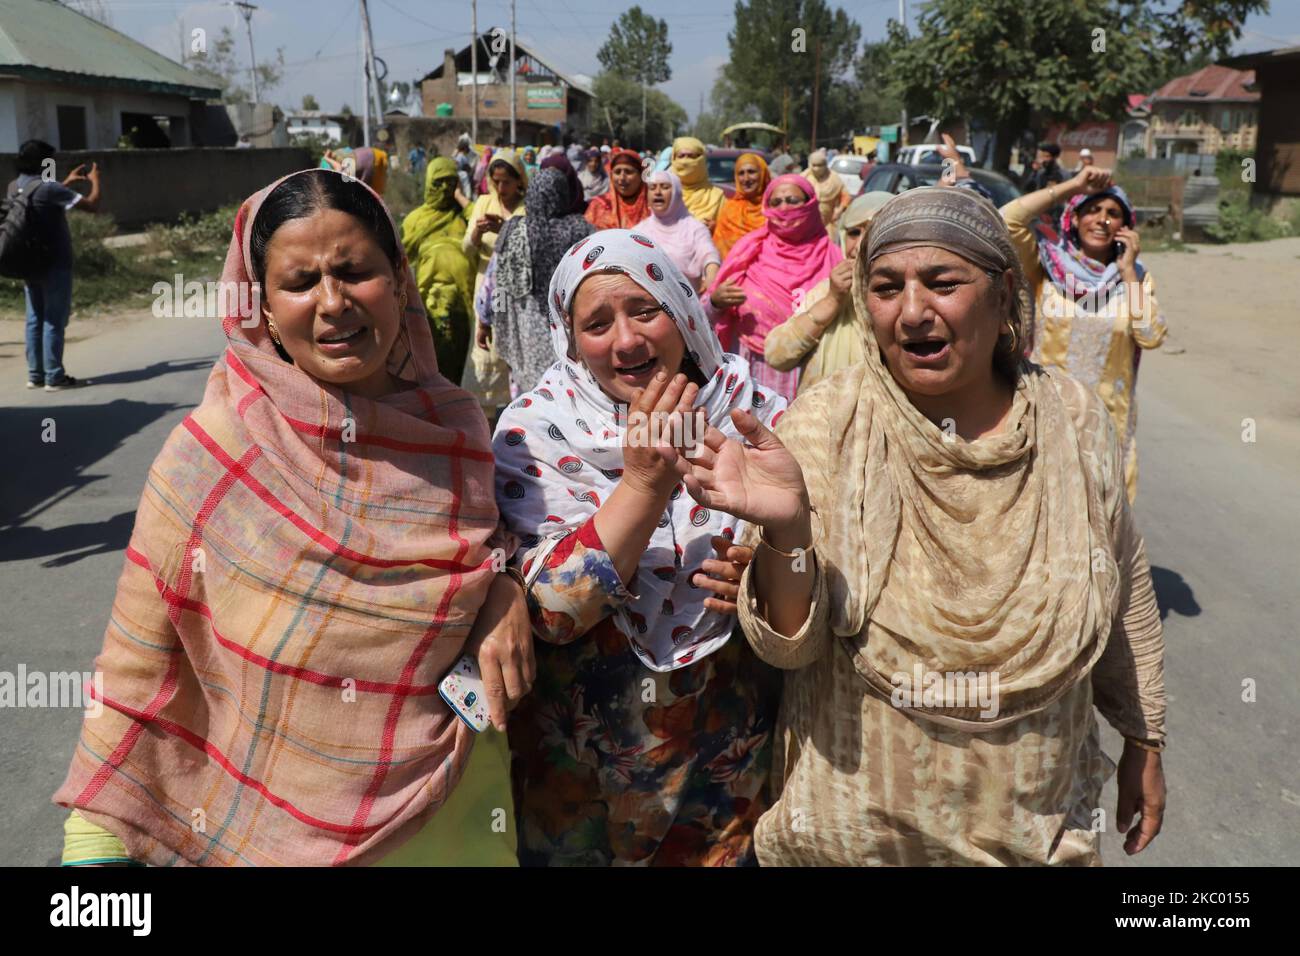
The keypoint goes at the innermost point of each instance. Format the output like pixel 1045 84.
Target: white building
pixel 315 123
pixel 78 84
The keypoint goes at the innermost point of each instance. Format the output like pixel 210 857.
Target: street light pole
pixel 902 130
pixel 247 10
pixel 513 71
pixel 473 67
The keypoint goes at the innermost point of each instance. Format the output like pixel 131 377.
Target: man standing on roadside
pixel 49 294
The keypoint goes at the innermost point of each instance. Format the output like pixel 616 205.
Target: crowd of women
pixel 898 443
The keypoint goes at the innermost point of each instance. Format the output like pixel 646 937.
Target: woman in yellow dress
pixel 486 376
pixel 1096 301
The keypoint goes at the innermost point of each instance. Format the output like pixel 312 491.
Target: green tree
pixel 879 102
pixel 638 47
pixel 309 102
pixel 781 50
pixel 219 66
pixel 618 97
pixel 1007 62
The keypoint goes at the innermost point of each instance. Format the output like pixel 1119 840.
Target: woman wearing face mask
pixel 627 203
pixel 742 213
pixel 648 738
pixel 947 567
pixel 681 236
pixel 768 273
pixel 432 235
pixel 1096 301
pixel 827 334
pixel 702 198
pixel 313 552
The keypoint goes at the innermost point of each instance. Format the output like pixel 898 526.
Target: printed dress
pixel 617 764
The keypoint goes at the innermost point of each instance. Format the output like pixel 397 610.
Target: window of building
pixel 72 127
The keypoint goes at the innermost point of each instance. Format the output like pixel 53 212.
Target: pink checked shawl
pixel 289 602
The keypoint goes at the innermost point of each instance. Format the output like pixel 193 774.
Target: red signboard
pixel 1095 136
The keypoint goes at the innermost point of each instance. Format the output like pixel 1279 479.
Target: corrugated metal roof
pixel 1213 82
pixel 40 37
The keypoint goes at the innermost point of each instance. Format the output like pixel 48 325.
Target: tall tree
pixel 1004 62
pixel 638 47
pixel 786 55
pixel 309 102
pixel 879 102
pixel 617 97
pixel 220 67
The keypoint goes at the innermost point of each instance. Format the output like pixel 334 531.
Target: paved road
pixel 1221 517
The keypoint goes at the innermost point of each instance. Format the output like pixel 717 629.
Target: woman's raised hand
pixel 656 415
pixel 759 482
pixel 1090 179
pixel 953 161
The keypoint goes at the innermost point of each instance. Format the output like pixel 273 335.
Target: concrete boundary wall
pixel 157 185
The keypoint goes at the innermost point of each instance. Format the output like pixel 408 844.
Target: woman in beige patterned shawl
pixel 959 575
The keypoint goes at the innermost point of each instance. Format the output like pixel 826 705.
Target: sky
pixel 321 44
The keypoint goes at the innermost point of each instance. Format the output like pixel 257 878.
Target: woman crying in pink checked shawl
pixel 647 739
pixel 312 553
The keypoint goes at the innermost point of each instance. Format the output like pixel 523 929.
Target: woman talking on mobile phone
pixel 1096 301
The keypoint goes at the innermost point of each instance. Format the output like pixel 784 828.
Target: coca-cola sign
pixel 1104 136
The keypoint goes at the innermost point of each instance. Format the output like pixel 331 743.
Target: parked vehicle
pixel 928 153
pixel 900 177
pixel 722 166
pixel 852 169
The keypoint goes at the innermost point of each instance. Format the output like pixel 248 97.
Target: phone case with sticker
pixel 462 689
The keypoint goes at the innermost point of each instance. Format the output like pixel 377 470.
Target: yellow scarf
pixel 703 199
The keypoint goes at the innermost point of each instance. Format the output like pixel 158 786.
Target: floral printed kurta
pixel 615 764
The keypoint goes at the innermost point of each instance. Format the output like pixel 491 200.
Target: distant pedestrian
pixel 1085 159
pixel 1046 169
pixel 49 292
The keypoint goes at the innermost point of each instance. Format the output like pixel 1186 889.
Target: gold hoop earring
pixel 1014 346
pixel 275 333
pixel 401 306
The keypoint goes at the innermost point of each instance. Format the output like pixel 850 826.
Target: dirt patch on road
pixel 1232 311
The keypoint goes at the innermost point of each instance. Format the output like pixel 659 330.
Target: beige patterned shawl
pixel 1025 588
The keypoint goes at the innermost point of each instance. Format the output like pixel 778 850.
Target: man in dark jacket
pixel 49 294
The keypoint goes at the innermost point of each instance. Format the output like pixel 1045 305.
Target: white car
pixel 850 170
pixel 929 153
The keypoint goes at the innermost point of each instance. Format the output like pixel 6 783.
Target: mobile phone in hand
pixel 462 689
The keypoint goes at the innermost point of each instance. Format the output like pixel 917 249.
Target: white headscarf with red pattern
pixel 559 452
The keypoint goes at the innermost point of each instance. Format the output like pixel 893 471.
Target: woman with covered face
pixel 647 739
pixel 431 235
pixel 768 274
pixel 312 554
pixel 703 199
pixel 947 568
pixel 1097 308
pixel 826 335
